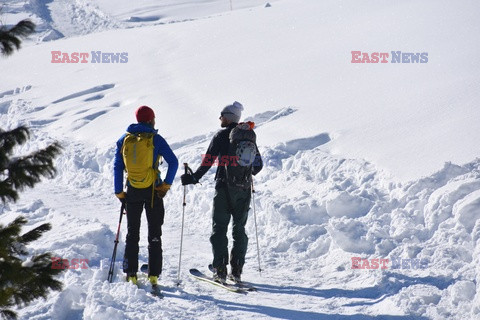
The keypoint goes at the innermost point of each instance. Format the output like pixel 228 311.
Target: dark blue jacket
pixel 161 148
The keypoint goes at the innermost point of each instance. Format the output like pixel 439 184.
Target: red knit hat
pixel 144 114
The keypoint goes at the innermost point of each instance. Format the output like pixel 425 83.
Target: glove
pixel 122 196
pixel 162 189
pixel 188 179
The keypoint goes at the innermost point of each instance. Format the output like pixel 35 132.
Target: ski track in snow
pixel 85 92
pixel 258 119
pixel 53 112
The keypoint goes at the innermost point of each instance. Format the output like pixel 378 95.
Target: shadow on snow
pixel 390 285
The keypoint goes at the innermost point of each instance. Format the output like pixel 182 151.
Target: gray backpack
pixel 242 152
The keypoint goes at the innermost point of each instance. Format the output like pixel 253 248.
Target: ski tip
pixel 195 271
pixel 144 268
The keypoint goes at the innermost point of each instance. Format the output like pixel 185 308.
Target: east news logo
pixel 385 57
pixel 92 57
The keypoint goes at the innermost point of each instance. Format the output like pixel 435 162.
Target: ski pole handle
pixel 188 170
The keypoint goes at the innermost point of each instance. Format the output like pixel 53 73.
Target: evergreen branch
pixel 12 229
pixel 6 192
pixel 6 293
pixel 8 314
pixel 36 233
pixel 37 279
pixel 23 29
pixel 8 140
pixel 28 170
pixel 9 238
pixel 8 43
pixel 24 171
pixel 10 39
pixel 21 283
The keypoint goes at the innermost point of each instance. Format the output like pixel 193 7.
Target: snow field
pixel 360 161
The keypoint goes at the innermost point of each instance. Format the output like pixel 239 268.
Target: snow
pixel 377 161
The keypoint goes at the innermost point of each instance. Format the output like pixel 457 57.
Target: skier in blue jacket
pixel 138 198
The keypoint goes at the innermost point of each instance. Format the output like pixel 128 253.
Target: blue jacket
pixel 161 148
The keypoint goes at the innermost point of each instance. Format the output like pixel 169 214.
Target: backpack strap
pixel 156 174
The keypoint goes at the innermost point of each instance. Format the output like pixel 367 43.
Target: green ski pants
pixel 233 203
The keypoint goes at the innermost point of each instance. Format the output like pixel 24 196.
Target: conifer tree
pixel 23 278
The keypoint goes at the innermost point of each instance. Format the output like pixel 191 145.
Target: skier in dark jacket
pixel 228 202
pixel 139 196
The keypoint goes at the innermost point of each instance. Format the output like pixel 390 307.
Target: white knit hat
pixel 233 112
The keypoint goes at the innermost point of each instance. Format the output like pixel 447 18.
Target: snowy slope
pixel 363 160
pixel 57 19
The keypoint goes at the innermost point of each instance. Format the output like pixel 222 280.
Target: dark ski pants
pixel 233 203
pixel 137 200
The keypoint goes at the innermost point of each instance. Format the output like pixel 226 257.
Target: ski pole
pixel 256 229
pixel 187 169
pixel 112 261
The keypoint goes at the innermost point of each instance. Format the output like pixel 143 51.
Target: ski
pixel 195 273
pixel 156 292
pixel 239 284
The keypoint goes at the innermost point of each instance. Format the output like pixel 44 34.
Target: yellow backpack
pixel 137 152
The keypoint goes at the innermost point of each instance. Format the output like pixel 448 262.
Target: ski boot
pixel 132 277
pixel 220 274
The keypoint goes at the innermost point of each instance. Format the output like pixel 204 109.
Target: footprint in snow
pixel 15 91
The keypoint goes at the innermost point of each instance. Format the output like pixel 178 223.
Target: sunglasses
pixel 222 114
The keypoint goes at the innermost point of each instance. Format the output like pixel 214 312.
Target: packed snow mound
pixel 299 227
